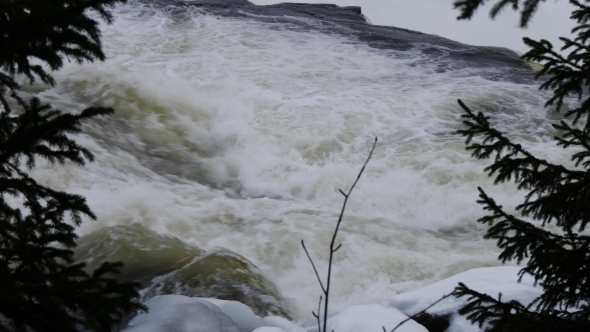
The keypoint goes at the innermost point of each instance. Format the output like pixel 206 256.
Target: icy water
pixel 236 133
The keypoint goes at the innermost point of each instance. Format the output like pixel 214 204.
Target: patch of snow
pixel 269 329
pixel 282 323
pixel 369 318
pixel 241 314
pixel 177 313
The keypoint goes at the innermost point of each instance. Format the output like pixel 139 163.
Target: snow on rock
pixel 368 318
pixel 240 313
pixel 269 329
pixel 177 313
pixel 490 280
pixel 284 324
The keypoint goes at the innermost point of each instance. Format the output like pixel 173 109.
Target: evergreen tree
pixel 41 287
pixel 559 261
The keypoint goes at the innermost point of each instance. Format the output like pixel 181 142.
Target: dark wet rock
pixel 354 9
pixel 167 265
pixel 220 3
pixel 145 253
pixel 432 322
pixel 494 63
pixel 224 275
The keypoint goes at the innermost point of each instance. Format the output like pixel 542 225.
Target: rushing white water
pixel 238 134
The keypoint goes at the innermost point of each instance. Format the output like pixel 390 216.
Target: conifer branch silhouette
pixel 43 289
pixel 558 260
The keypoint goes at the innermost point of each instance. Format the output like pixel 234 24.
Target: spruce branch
pixel 41 131
pixel 550 255
pixel 499 315
pixel 527 8
pixel 559 261
pixel 575 137
pixel 554 193
pixel 516 236
pixel 42 288
pixel 483 308
pixel 545 181
pixel 568 74
pixel 53 30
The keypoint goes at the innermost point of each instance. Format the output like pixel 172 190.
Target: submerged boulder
pixel 145 253
pixel 167 265
pixel 225 275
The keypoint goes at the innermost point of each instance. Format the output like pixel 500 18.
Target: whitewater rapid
pixel 238 133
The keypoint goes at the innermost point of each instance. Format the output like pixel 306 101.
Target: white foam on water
pixel 239 134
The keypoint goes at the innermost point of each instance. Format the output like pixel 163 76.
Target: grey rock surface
pixel 494 63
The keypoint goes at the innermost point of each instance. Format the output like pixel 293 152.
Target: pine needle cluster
pixel 559 260
pixel 42 288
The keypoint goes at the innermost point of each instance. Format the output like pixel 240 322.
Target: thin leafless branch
pixel 333 249
pixel 418 313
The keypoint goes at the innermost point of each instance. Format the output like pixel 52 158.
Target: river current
pixel 238 133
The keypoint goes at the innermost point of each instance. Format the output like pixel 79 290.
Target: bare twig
pixel 317 316
pixel 418 313
pixel 333 249
pixel 314 269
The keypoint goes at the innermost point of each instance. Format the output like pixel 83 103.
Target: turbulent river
pixel 237 133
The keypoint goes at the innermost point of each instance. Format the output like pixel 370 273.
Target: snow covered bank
pixel 368 317
pixel 490 280
pixel 178 313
